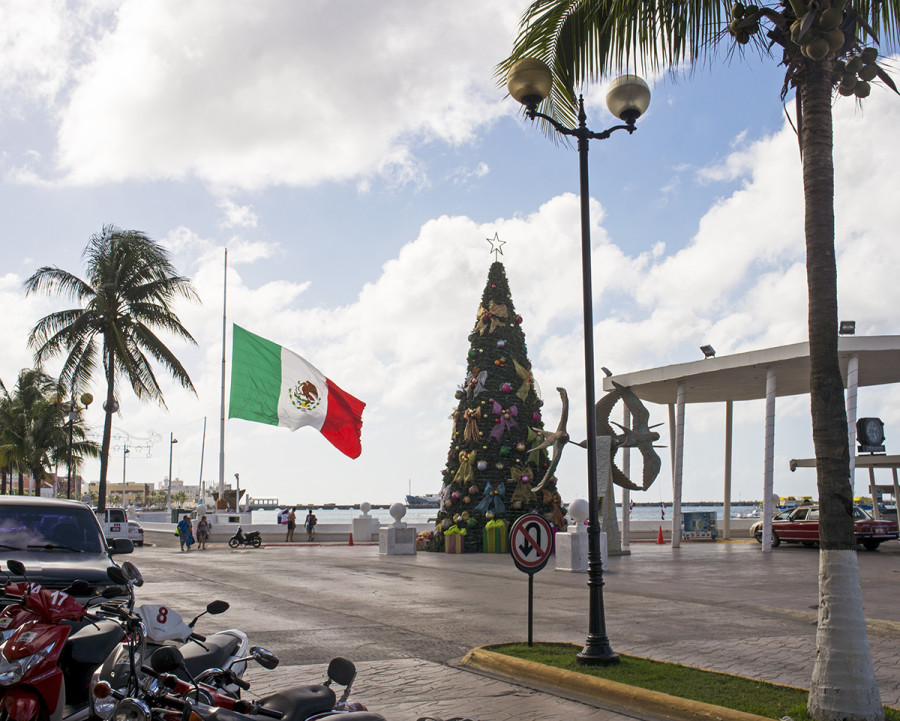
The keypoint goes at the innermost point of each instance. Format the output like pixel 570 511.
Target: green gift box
pixel 494 537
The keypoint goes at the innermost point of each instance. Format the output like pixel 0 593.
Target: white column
pixel 852 391
pixel 729 427
pixel 679 463
pixel 769 467
pixel 626 494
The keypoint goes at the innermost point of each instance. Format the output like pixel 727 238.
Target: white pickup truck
pixel 115 524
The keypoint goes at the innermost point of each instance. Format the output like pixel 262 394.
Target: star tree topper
pixel 496 246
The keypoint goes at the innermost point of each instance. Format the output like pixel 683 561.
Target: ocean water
pixel 424 515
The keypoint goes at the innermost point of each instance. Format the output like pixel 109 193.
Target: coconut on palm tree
pixel 125 300
pixel 827 48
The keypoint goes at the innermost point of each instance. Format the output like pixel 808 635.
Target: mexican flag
pixel 270 384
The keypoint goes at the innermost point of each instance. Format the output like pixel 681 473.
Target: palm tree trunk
pixel 107 429
pixel 843 682
pixel 21 483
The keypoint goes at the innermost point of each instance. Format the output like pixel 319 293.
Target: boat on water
pixel 432 500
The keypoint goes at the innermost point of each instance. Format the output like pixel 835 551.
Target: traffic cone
pixel 659 537
pixel 351 540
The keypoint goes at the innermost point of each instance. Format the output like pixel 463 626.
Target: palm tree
pixel 128 295
pixel 821 46
pixel 29 424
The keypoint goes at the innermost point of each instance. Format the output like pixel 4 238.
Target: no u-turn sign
pixel 530 543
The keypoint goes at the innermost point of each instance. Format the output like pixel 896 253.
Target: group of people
pixel 185 532
pixel 309 522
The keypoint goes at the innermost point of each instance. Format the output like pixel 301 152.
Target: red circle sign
pixel 530 543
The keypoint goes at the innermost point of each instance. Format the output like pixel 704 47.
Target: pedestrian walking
pixel 291 525
pixel 202 532
pixel 310 522
pixel 185 533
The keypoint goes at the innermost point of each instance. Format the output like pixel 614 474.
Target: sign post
pixel 530 543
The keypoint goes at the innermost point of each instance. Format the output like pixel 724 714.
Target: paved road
pixel 406 619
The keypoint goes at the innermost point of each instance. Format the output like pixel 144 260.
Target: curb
pixel 619 694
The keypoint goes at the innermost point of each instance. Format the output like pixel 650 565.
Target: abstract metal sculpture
pixel 640 436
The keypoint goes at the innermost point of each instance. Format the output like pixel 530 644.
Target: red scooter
pixel 45 668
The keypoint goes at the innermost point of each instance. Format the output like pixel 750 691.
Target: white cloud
pixel 271 93
pixel 237 216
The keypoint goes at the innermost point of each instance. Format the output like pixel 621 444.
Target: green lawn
pixel 719 689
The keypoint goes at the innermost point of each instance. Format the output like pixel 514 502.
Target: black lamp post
pixel 529 81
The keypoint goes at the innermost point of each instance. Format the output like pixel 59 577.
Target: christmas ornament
pixel 527 381
pixel 482 465
pixel 465 474
pixel 490 318
pixel 473 489
pixel 501 344
pixel 472 416
pixel 493 498
pixel 506 388
pixel 506 420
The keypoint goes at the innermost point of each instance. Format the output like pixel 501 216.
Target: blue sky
pixel 354 157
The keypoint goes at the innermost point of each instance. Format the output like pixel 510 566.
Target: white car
pixel 135 533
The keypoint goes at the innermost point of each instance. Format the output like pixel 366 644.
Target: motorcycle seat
pixel 300 703
pixel 221 648
pixel 92 644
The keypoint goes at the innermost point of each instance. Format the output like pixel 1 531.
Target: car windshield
pixel 37 528
pixel 861 514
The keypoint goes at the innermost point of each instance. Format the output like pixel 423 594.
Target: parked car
pixel 59 542
pixel 135 533
pixel 801 525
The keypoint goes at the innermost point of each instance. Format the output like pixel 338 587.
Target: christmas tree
pixel 491 470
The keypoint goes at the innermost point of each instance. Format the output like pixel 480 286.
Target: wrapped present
pixel 495 536
pixel 454 539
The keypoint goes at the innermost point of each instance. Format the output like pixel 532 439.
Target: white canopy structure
pixel 768 373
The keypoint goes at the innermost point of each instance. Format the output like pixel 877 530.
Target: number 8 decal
pixel 162 615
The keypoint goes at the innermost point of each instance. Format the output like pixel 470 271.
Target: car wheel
pixel 233 542
pixel 759 535
pixel 257 542
pixel 139 544
pixel 871 545
pixel 776 541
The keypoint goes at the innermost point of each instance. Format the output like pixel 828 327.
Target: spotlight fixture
pixel 847 327
pixel 708 351
pixel 606 370
pixel 870 435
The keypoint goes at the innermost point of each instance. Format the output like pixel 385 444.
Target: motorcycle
pixel 169 698
pixel 240 539
pixel 45 664
pixel 151 626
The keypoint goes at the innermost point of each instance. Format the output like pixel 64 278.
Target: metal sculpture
pixel 640 436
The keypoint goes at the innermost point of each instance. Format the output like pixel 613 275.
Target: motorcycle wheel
pixel 257 542
pixel 233 542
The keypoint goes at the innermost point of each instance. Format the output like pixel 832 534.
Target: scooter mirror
pixel 341 671
pixel 133 573
pixel 117 575
pixel 264 657
pixel 16 567
pixel 217 607
pixel 166 659
pixel 79 588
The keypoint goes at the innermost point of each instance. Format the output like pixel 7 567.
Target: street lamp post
pixel 172 441
pixel 125 453
pixel 529 82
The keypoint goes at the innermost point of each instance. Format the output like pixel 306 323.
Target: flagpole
pixel 202 453
pixel 222 412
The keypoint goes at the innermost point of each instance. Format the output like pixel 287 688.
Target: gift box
pixel 494 539
pixel 454 542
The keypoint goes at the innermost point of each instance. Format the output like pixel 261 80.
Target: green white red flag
pixel 271 384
